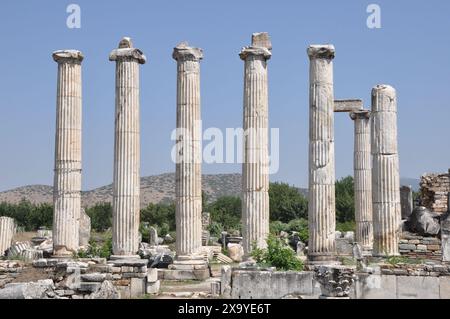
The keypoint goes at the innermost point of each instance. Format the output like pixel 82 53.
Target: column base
pixel 188 267
pixel 189 262
pixel 318 259
pixel 62 253
pixel 366 252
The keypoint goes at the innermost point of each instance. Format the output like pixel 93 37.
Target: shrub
pixel 215 229
pixel 346 226
pixel 96 249
pixel 301 227
pixel 277 254
pixel 276 227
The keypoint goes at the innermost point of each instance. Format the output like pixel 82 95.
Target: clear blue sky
pixel 411 52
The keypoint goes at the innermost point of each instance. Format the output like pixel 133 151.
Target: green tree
pixel 160 215
pixel 101 216
pixel 286 203
pixel 345 201
pixel 226 211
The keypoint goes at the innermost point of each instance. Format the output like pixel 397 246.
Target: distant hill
pixel 154 189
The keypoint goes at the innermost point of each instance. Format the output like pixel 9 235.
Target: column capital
pixel 65 56
pixel 261 46
pixel 255 51
pixel 321 51
pixel 183 52
pixel 360 115
pixel 127 51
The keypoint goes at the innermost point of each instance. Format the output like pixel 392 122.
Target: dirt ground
pixel 24 236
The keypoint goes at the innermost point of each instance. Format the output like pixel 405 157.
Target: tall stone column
pixel 188 160
pixel 321 211
pixel 362 166
pixel 7 229
pixel 126 184
pixel 67 178
pixel 255 167
pixel 385 172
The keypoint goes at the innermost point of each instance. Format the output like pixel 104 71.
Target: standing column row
pixel 255 168
pixel 126 177
pixel 188 174
pixel 67 178
pixel 385 174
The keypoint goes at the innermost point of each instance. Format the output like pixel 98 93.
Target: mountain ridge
pixel 154 189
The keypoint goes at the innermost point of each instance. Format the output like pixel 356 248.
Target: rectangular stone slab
pixel 349 105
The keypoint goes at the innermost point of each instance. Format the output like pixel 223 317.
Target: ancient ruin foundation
pixel 67 178
pixel 7 229
pixel 188 161
pixel 126 184
pixel 321 211
pixel 362 167
pixel 434 189
pixel 255 168
pixel 385 173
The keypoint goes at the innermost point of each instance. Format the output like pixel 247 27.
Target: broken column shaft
pixel 7 229
pixel 385 172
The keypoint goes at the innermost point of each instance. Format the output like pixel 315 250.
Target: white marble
pixel 321 210
pixel 385 172
pixel 126 177
pixel 67 176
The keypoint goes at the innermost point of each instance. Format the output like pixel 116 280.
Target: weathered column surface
pixel 255 167
pixel 126 184
pixel 188 159
pixel 321 211
pixel 67 177
pixel 385 172
pixel 362 166
pixel 7 229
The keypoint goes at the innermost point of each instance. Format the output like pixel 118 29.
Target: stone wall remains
pixel 433 191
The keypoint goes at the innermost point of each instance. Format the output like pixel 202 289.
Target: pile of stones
pixel 9 270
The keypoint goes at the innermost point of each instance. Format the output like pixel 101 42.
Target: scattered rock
pixel 236 252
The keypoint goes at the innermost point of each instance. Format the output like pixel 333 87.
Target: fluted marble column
pixel 7 229
pixel 255 167
pixel 321 211
pixel 67 177
pixel 385 173
pixel 126 184
pixel 362 168
pixel 188 166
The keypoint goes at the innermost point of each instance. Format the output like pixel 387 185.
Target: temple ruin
pixel 388 224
